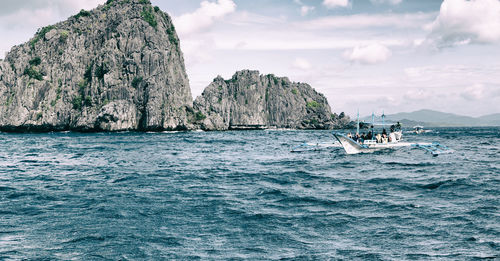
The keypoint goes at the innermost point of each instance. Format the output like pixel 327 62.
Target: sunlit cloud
pixel 462 22
pixel 391 2
pixel 370 54
pixel 336 3
pixel 203 17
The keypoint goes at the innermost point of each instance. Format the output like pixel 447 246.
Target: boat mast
pixel 357 129
pixel 373 124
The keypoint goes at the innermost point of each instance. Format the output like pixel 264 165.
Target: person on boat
pixel 392 137
pixel 384 132
pixel 384 138
pixel 369 136
pixel 349 135
pixel 379 138
pixel 398 126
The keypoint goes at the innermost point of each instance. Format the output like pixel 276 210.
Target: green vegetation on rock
pixel 87 76
pixel 136 81
pixel 35 61
pixel 77 103
pixel 33 73
pixel 40 35
pixel 312 104
pixel 82 13
pixel 198 116
pixel 100 71
pixel 148 16
pixel 171 35
pixel 63 36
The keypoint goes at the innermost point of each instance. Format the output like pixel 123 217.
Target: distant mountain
pixel 430 118
pixel 491 119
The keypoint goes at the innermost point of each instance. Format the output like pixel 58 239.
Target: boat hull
pixel 352 147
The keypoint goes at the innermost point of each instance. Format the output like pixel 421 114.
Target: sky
pixel 368 55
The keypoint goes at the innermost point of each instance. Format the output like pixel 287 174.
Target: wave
pixel 410 164
pixel 88 239
pixel 449 183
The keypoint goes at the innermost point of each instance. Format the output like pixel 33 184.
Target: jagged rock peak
pixel 251 100
pixel 116 67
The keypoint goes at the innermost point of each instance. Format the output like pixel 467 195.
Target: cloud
pixel 369 54
pixel 462 22
pixel 474 92
pixel 203 17
pixel 364 21
pixel 418 95
pixel 19 20
pixel 64 6
pixel 301 64
pixel 330 4
pixel 391 2
pixel 305 10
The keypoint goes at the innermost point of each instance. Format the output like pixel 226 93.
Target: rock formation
pixel 250 100
pixel 117 67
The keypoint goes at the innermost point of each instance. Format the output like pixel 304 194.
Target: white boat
pixel 369 146
pixel 395 140
pixel 420 129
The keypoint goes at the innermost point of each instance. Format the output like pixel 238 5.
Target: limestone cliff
pixel 117 67
pixel 251 100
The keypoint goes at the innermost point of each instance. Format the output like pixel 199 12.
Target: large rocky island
pixel 120 67
pixel 117 67
pixel 250 100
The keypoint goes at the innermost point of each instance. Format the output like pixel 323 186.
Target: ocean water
pixel 243 195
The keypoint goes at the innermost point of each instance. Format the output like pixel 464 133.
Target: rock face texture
pixel 117 67
pixel 250 100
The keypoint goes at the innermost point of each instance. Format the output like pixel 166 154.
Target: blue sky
pixel 371 55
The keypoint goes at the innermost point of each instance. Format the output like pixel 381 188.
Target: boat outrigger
pixel 368 146
pixel 370 143
pixel 394 140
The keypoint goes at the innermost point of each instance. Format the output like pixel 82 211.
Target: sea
pixel 242 195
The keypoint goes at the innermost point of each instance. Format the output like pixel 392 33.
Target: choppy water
pixel 242 195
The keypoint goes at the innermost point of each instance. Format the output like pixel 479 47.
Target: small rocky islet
pixel 119 67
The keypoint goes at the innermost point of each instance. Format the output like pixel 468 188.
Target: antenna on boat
pixel 357 129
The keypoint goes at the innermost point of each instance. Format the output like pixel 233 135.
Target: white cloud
pixel 305 10
pixel 363 21
pixel 204 16
pixel 418 95
pixel 392 2
pixel 461 22
pixel 370 54
pixel 198 51
pixel 336 3
pixel 301 64
pixel 19 20
pixel 474 92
